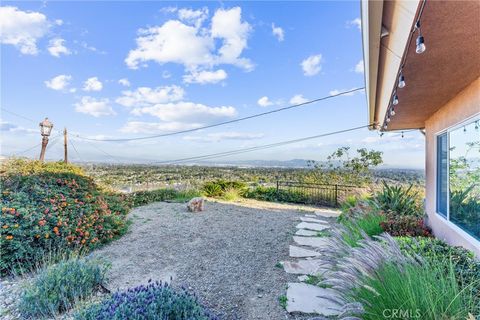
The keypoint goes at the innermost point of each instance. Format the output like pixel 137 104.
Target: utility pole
pixel 65 157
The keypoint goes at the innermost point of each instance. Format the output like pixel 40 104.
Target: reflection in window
pixel 464 178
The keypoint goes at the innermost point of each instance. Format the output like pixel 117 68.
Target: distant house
pixel 422 68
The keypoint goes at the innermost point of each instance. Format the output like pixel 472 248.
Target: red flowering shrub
pixel 53 207
pixel 398 225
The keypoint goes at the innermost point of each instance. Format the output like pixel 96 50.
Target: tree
pixel 341 168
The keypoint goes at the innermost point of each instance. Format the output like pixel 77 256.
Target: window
pixel 458 176
pixel 442 172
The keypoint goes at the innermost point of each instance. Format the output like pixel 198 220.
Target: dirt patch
pixel 227 255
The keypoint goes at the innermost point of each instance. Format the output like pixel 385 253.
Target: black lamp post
pixel 45 130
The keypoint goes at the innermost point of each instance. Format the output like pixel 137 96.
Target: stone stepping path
pixel 316 242
pixel 297 252
pixel 303 297
pixel 304 267
pixel 307 298
pixel 306 233
pixel 310 219
pixel 312 226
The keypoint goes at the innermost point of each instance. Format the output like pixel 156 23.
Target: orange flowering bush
pixel 53 207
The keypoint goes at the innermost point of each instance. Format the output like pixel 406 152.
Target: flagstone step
pixel 298 252
pixel 327 213
pixel 311 215
pixel 309 219
pixel 316 242
pixel 311 267
pixel 306 233
pixel 312 226
pixel 306 298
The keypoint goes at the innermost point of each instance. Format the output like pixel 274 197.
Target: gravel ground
pixel 226 254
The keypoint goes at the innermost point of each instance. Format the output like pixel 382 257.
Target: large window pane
pixel 442 170
pixel 464 174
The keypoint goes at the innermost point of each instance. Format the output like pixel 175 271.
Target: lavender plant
pixel 154 301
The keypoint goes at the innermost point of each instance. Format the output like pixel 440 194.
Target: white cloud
pixel 194 17
pixel 219 136
pixel 56 47
pixel 193 43
pixel 92 84
pixel 60 82
pixel 154 127
pixel 264 102
pixel 312 65
pixel 298 99
pixel 187 112
pixel 144 96
pixel 278 32
pixel 337 91
pixel 204 77
pixel 94 107
pixel 166 74
pixel 357 22
pixel 10 127
pixel 22 29
pixel 359 68
pixel 124 82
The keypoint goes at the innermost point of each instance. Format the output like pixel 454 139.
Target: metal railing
pixel 315 193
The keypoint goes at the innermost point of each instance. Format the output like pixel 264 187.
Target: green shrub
pixel 398 200
pixel 219 187
pixel 53 207
pixel 434 251
pixel 150 302
pixel 141 198
pixel 417 291
pixel 231 194
pixel 58 287
pixel 273 195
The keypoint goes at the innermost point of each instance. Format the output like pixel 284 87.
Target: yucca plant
pixel 398 200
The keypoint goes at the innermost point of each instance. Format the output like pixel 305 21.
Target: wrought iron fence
pixel 314 193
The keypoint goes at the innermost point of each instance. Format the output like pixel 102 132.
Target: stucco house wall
pixel 462 107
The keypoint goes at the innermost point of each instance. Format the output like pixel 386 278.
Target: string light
pixel 395 99
pixel 402 134
pixel 464 129
pixel 388 119
pixel 476 125
pixel 420 40
pixel 401 81
pixel 392 112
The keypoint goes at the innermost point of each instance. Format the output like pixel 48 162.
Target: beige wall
pixel 465 105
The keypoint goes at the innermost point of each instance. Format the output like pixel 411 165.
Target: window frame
pixel 447 130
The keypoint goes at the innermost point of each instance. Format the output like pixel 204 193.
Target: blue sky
pixel 127 69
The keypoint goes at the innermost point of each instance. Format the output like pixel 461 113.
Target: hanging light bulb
pixel 420 40
pixel 476 125
pixel 381 134
pixel 402 134
pixel 392 112
pixel 401 81
pixel 388 119
pixel 395 99
pixel 464 129
pixel 385 126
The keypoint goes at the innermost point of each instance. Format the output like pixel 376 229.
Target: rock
pixel 316 242
pixel 302 278
pixel 312 226
pixel 306 233
pixel 309 219
pixel 306 298
pixel 311 267
pixel 196 204
pixel 297 252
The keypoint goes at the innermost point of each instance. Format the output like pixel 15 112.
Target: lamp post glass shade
pixel 46 127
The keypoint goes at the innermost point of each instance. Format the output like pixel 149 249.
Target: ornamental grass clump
pixel 153 301
pixel 56 288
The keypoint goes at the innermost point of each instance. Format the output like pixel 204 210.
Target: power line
pixel 267 146
pixel 230 121
pixel 73 146
pixel 18 115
